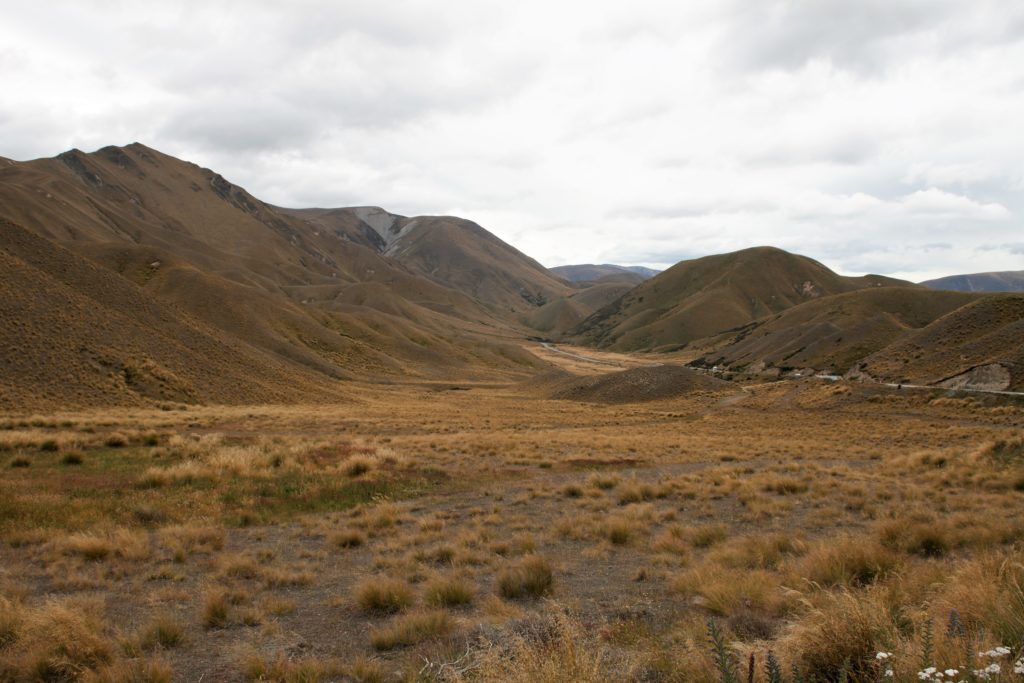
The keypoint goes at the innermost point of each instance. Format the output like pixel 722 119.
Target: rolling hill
pixel 831 334
pixel 703 297
pixel 1007 281
pixel 978 345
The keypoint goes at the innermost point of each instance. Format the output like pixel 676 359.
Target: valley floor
pixel 483 532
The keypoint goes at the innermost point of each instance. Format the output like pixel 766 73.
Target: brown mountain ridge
pixel 131 276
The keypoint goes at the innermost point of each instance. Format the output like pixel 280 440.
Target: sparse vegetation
pixel 447 539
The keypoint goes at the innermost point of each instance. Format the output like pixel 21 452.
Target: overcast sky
pixel 876 136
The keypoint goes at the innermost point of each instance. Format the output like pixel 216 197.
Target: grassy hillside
pixel 75 334
pixel 316 298
pixel 832 333
pixel 986 332
pixel 703 297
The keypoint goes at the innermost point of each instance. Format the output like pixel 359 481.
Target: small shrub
pixel 532 577
pixel 20 461
pixel 49 445
pixel 383 595
pixel 116 441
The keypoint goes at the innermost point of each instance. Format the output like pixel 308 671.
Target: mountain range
pixel 131 277
pixel 1006 281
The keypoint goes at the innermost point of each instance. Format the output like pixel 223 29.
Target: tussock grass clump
pixel 566 654
pixel 635 492
pixel 121 543
pixel 286 670
pixel 923 538
pixel 134 671
pixel 349 538
pixel 572 491
pixel 357 465
pixel 783 485
pixel 88 546
pixel 215 609
pixel 449 592
pixel 286 578
pixel 724 590
pixel 619 531
pixel 531 577
pixel 239 567
pixel 410 629
pixel 844 633
pixel 604 482
pixel 61 640
pixel 73 458
pixel 847 562
pixel 383 595
pixel 19 461
pixel 163 632
pixel 672 540
pixel 116 440
pixel 708 535
pixel 185 540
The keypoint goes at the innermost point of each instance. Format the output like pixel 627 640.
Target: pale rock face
pixel 993 377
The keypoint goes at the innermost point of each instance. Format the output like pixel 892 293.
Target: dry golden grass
pixel 531 577
pixel 382 595
pixel 330 542
pixel 411 629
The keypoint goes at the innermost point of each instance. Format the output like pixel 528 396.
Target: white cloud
pixel 596 131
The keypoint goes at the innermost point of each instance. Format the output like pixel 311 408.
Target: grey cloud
pixel 865 36
pixel 847 149
pixel 691 209
pixel 242 127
